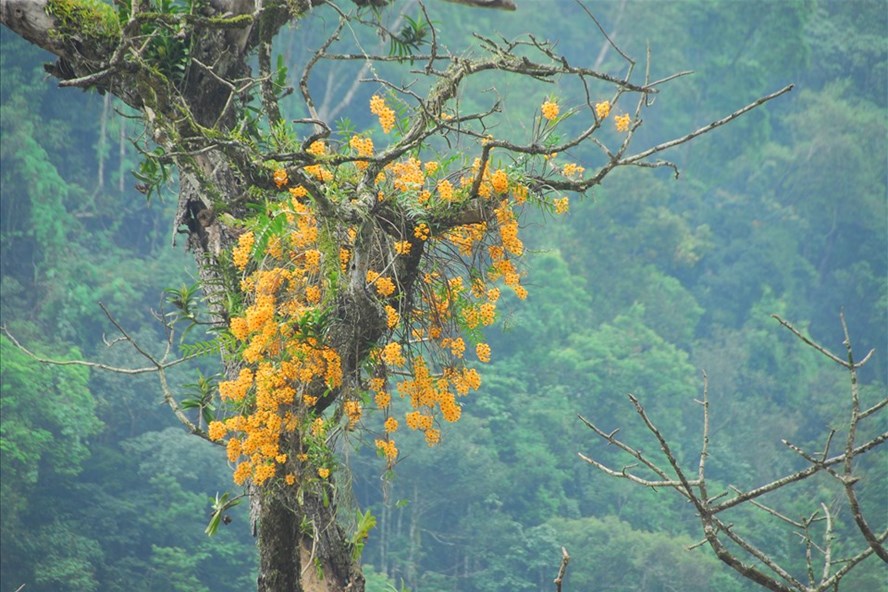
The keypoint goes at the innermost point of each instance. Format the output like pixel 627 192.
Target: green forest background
pixel 647 281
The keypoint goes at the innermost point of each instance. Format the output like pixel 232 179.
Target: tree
pixel 825 563
pixel 331 268
pixel 47 417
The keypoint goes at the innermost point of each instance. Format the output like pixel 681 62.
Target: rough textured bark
pixel 279 527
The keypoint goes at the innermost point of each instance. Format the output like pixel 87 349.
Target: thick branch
pixel 30 19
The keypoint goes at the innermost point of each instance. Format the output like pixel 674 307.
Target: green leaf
pixel 281 72
pixel 222 342
pixel 365 523
pixel 221 504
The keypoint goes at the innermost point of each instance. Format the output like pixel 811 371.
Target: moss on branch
pixel 85 21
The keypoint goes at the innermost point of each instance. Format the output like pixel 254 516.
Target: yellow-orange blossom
pixel 276 391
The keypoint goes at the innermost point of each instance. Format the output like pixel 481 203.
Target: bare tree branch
pixel 809 342
pixel 565 559
pixel 798 475
pixel 848 479
pixel 766 570
pixel 158 366
pixel 706 128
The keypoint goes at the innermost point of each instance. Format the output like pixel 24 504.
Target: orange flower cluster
pixel 426 393
pixel 382 399
pixel 483 314
pixel 456 346
pixel 317 148
pixel 412 180
pixel 364 147
pixel 508 227
pixel 384 285
pixel 469 238
pixel 572 170
pixel 622 122
pixel 391 424
pixel 344 258
pixel 520 194
pixel 505 269
pixel 466 237
pixel 319 172
pixel 236 390
pixel 445 190
pixel 408 174
pixel 285 359
pixel 445 305
pixel 602 109
pixel 500 181
pixel 388 448
pixel 422 231
pixel 269 397
pixel 402 247
pixel 392 354
pixel 549 110
pixel 241 254
pixel 353 412
pixel 383 112
pixel 280 178
pixel 255 435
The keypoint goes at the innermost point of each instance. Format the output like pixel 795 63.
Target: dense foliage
pixel 639 287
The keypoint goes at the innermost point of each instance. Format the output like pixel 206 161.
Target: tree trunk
pixel 277 528
pixel 302 547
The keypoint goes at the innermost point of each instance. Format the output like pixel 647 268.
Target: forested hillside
pixel 646 282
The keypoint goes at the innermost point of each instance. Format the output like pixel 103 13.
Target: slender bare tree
pixel 824 569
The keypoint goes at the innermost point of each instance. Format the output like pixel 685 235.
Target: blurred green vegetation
pixel 646 282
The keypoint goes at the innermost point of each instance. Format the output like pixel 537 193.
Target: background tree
pixel 825 567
